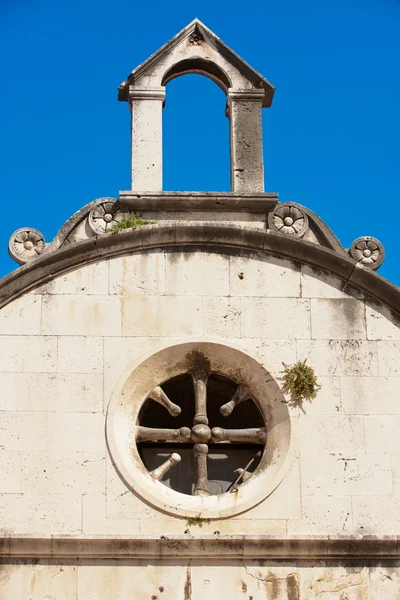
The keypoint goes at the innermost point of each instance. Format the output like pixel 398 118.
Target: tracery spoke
pixel 153 434
pixel 172 460
pixel 240 396
pixel 158 395
pixel 200 397
pixel 200 458
pixel 256 435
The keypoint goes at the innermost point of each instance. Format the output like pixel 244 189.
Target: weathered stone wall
pixel 195 580
pixel 64 347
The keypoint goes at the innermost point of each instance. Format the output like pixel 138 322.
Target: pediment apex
pixel 208 37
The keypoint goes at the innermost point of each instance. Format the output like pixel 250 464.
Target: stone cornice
pixel 200 201
pixel 213 548
pixel 228 237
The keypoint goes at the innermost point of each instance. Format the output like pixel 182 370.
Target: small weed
pixel 130 222
pixel 300 382
pixel 197 521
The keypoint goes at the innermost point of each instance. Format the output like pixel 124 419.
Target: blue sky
pixel 331 138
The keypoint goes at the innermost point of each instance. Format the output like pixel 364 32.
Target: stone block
pixel 22 316
pixel 382 324
pixel 23 431
pixel 395 461
pixel 161 316
pixel 335 583
pixel 63 473
pixel 54 391
pixel 331 433
pixel 382 433
pixel 337 319
pixel 384 583
pixel 260 275
pixel 81 315
pixel 328 400
pixel 323 515
pixel 48 514
pixel 276 318
pixel 270 353
pixel 121 502
pixel 76 432
pixel 376 515
pixel 28 353
pixel 95 520
pixel 318 284
pixel 339 357
pixel 39 581
pixel 389 358
pixel 8 387
pixel 138 274
pixel 221 316
pixel 90 279
pixel 196 273
pixel 341 474
pixel 10 469
pixel 138 580
pixel 80 354
pixel 370 395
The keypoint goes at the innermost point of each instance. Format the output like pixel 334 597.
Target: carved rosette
pixel 368 251
pixel 25 245
pixel 106 213
pixel 288 219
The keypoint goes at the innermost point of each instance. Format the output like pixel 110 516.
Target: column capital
pixel 252 95
pixel 150 93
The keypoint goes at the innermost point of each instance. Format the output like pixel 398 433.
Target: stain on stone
pixel 197 361
pixel 241 275
pixel 244 587
pixel 292 586
pixel 188 585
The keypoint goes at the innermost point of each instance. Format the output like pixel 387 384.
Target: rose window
pixel 199 429
pixel 201 434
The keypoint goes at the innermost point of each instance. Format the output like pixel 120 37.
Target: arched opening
pixel 195 132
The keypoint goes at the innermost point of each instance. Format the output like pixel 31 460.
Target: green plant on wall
pixel 130 222
pixel 300 381
pixel 198 521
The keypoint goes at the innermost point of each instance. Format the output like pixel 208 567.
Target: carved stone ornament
pixel 105 215
pixel 26 244
pixel 288 219
pixel 368 251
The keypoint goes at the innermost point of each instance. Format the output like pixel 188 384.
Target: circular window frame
pixel 131 393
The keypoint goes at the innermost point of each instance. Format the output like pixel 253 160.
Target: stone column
pixel 244 112
pixel 146 107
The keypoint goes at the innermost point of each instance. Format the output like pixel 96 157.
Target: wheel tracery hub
pixel 199 436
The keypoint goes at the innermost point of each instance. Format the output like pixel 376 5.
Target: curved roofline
pixel 46 267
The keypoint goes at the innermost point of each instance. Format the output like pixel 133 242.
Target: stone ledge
pixel 200 201
pixel 327 548
pixel 234 238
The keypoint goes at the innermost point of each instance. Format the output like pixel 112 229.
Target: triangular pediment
pixel 198 42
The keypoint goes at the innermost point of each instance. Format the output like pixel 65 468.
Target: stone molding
pixel 50 265
pixel 213 547
pixel 200 201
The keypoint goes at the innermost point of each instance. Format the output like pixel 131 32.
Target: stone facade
pixel 256 283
